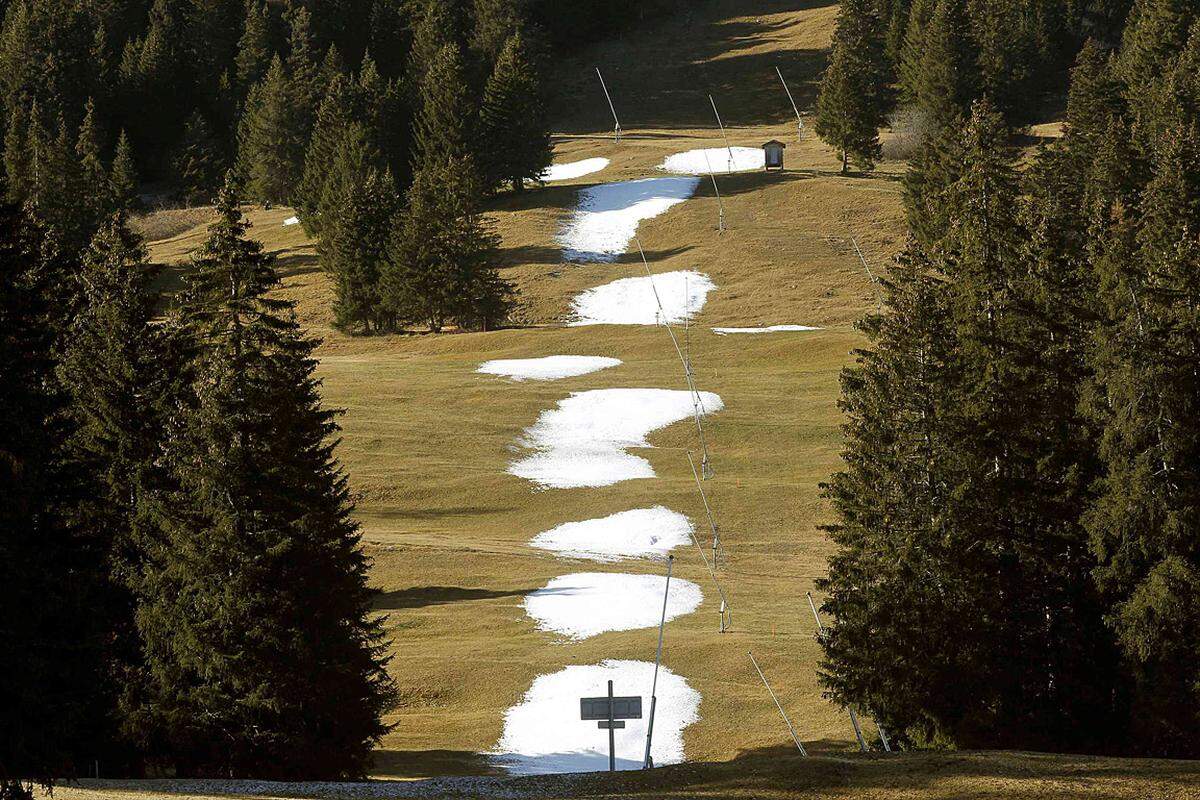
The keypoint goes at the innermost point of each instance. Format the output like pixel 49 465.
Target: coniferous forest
pixel 1018 519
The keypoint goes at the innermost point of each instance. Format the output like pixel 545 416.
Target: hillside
pixel 428 440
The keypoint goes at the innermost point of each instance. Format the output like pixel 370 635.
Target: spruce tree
pixel 851 103
pixel 1144 523
pixel 254 49
pixel 439 269
pixel 948 78
pixel 270 139
pixel 123 178
pixel 113 374
pixel 334 118
pixel 354 246
pixel 445 124
pixel 48 567
pixel 260 555
pixel 513 120
pixel 198 162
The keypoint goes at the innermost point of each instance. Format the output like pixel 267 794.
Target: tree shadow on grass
pixel 424 596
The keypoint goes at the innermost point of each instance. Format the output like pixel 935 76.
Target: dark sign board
pixel 597 708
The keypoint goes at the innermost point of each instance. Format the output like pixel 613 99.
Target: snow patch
pixel 583 441
pixel 543 733
pixel 588 604
pixel 550 368
pixel 607 216
pixel 640 532
pixel 631 301
pixel 771 329
pixel 572 169
pixel 291 221
pixel 718 159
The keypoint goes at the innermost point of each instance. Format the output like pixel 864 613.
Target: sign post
pixel 610 713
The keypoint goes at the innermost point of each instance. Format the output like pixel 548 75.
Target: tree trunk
pixel 518 185
pixel 845 159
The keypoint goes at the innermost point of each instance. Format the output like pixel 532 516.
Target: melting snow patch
pixel 607 217
pixel 638 533
pixel 587 604
pixel 697 162
pixel 573 169
pixel 543 734
pixel 583 441
pixel 550 368
pixel 291 221
pixel 772 329
pixel 631 301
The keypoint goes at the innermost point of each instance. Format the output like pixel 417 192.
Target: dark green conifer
pixel 123 177
pixel 254 49
pixel 439 269
pixel 198 162
pixel 261 557
pixel 270 139
pixel 513 123
pixel 851 103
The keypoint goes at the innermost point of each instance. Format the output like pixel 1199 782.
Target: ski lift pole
pixel 791 730
pixel 799 121
pixel 862 743
pixel 662 623
pixel 721 125
pixel 697 401
pixel 611 107
pixel 720 202
pixel 712 522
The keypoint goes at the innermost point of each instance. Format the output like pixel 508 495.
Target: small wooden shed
pixel 773 154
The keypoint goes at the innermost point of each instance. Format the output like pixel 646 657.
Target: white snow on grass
pixel 291 221
pixel 638 533
pixel 630 301
pixel 572 169
pixel 588 604
pixel 607 217
pixel 697 162
pixel 771 329
pixel 543 733
pixel 550 368
pixel 583 441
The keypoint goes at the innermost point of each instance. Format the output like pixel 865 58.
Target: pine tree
pixel 112 373
pixel 87 152
pixel 17 156
pixel 47 567
pixel 445 124
pixel 261 556
pixel 851 104
pixel 198 162
pixel 305 84
pixel 334 118
pixel 885 592
pixel 354 247
pixel 1143 525
pixel 123 177
pixel 439 269
pixel 948 78
pixel 270 140
pixel 513 121
pixel 254 49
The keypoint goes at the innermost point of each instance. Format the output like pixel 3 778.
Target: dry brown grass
pixel 427 439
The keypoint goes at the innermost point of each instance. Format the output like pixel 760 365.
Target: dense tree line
pixel 1018 519
pixel 184 591
pixel 927 61
pixel 309 101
